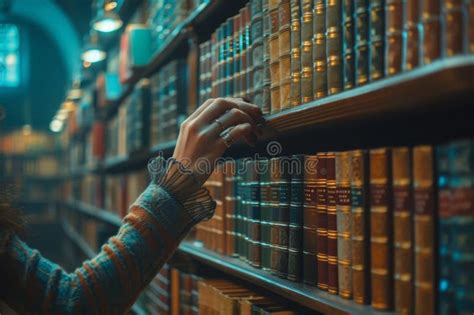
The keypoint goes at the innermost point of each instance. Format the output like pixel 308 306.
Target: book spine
pixel 430 25
pixel 310 219
pixel 237 70
pixel 267 28
pixel 229 63
pixel 284 38
pixel 202 72
pixel 275 55
pixel 306 51
pixel 320 85
pixel 334 46
pixel 394 36
pixel 402 228
pixel 221 60
pixel 253 218
pixel 454 28
pixel 333 287
pixel 361 11
pixel 423 183
pixel 256 33
pixel 411 43
pixel 445 285
pixel 229 204
pixel 461 165
pixel 239 206
pixel 322 220
pixel 344 221
pixel 265 215
pixel 360 226
pixel 348 44
pixel 245 212
pixel 215 63
pixel 381 229
pixel 377 39
pixel 295 86
pixel 295 229
pixel 244 49
pixel 469 35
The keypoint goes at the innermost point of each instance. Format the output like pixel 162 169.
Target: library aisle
pixel 237 157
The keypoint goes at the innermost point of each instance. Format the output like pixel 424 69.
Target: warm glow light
pixel 56 125
pixel 94 55
pixel 86 64
pixel 62 115
pixel 26 130
pixel 75 94
pixel 111 5
pixel 69 106
pixel 107 22
pixel 10 60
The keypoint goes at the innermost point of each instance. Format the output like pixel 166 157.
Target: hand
pixel 207 133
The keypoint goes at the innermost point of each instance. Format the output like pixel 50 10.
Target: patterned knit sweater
pixel 110 282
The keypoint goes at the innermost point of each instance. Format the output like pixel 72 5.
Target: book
pixel 295 86
pixel 411 41
pixel 252 212
pixel 377 39
pixel 284 45
pixel 361 12
pixel 348 44
pixel 274 43
pixel 360 208
pixel 256 34
pixel 319 68
pixel 267 81
pixel 331 201
pixel 381 229
pixel 430 27
pixel 266 214
pixel 334 54
pixel 454 28
pixel 424 220
pixel 310 220
pixel 402 230
pixel 295 228
pixel 394 36
pixel 344 223
pixel 306 51
pixel 229 205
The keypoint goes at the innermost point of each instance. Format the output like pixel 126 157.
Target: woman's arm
pixel 159 219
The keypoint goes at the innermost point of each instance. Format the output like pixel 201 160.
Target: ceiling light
pixel 56 125
pixel 111 5
pixel 26 130
pixel 94 54
pixel 107 22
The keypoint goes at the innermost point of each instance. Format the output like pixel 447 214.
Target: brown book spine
pixel 253 214
pixel 306 51
pixel 402 228
pixel 381 229
pixel 267 26
pixel 245 52
pixel 320 84
pixel 377 39
pixel 295 86
pixel 454 27
pixel 360 226
pixel 411 44
pixel 322 220
pixel 423 183
pixel 284 38
pixel 275 55
pixel 430 30
pixel 310 220
pixel 266 214
pixel 237 58
pixel 229 204
pixel 348 44
pixel 332 222
pixel 214 68
pixel 469 36
pixel 344 221
pixel 361 11
pixel 334 46
pixel 394 35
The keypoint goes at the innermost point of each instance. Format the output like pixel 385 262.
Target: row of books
pixel 283 53
pixel 40 166
pixel 379 226
pixel 26 142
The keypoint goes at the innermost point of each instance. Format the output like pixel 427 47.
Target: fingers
pixel 240 132
pixel 231 118
pixel 219 106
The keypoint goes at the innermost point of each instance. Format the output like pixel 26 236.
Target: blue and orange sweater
pixel 110 282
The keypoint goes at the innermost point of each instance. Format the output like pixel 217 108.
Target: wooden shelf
pixel 305 295
pixel 77 239
pixel 100 214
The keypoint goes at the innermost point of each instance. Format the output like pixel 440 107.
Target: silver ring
pixel 217 121
pixel 228 140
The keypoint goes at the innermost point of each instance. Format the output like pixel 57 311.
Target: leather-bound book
pixel 306 51
pixel 229 58
pixel 295 86
pixel 430 24
pixel 310 220
pixel 245 212
pixel 361 16
pixel 348 29
pixel 360 226
pixel 280 202
pixel 267 81
pixel 274 12
pixel 344 222
pixel 220 60
pixel 454 28
pixel 394 36
pixel 411 42
pixel 229 204
pixel 377 39
pixel 424 207
pixel 321 220
pixel 402 230
pixel 381 229
pixel 334 46
pixel 265 214
pixel 469 36
pixel 284 38
pixel 238 210
pixel 214 65
pixel 253 215
pixel 295 229
pixel 333 285
pixel 237 64
pixel 256 34
pixel 320 85
pixel 244 49
pixel 461 183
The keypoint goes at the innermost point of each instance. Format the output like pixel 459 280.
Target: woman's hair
pixel 10 218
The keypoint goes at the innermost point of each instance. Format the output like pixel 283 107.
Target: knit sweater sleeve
pixel 110 282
